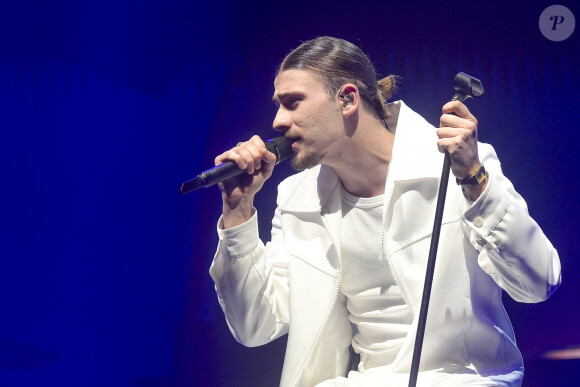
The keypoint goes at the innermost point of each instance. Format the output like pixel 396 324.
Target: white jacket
pixel 291 284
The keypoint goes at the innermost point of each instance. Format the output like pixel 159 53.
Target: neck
pixel 365 158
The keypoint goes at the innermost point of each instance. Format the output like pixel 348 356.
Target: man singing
pixel 343 273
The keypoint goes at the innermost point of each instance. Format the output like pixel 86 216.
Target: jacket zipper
pixel 323 326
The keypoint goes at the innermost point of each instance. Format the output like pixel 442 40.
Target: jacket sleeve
pixel 251 282
pixel 513 250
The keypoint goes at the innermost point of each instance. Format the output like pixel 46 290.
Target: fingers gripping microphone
pixel 280 146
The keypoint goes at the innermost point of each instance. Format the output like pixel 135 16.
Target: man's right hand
pixel 238 192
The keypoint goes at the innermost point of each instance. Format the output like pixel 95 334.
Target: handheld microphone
pixel 280 146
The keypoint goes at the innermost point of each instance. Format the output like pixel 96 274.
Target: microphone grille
pixel 281 147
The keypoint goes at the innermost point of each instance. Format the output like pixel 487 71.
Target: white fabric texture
pixel 374 301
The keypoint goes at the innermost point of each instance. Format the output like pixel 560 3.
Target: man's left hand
pixel 458 136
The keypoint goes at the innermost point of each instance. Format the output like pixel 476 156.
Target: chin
pixel 305 160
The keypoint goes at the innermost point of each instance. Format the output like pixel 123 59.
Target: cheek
pixel 305 123
pixel 319 121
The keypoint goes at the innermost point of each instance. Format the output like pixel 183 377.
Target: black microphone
pixel 280 146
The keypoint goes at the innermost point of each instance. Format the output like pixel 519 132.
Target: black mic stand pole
pixel 465 87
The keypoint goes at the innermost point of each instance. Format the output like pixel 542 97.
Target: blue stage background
pixel 107 106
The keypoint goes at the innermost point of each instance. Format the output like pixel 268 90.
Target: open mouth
pixel 295 144
pixel 293 140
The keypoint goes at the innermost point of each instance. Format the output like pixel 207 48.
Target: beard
pixel 306 158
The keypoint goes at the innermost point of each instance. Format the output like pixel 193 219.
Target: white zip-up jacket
pixel 291 284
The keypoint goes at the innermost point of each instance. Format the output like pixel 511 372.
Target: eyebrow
pixel 281 96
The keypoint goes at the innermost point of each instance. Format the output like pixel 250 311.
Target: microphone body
pixel 280 146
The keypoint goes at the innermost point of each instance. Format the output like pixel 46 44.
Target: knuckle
pixel 221 158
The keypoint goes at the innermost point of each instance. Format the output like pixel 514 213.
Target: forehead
pixel 296 81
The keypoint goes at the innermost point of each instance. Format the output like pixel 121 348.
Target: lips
pixel 294 142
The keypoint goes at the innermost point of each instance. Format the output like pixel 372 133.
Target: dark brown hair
pixel 336 62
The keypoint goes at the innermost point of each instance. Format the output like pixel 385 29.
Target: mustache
pixel 291 136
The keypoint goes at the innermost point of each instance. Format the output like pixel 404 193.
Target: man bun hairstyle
pixel 336 62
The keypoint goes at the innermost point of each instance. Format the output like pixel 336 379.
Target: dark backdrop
pixel 107 106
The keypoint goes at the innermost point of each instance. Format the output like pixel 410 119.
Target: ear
pixel 349 99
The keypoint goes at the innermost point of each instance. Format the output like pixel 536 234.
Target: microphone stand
pixel 466 87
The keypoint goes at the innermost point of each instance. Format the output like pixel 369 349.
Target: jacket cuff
pixel 241 239
pixel 488 210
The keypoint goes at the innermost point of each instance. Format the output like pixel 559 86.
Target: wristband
pixel 475 179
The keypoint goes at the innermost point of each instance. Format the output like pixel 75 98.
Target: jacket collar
pixel 415 156
pixel 415 153
pixel 296 193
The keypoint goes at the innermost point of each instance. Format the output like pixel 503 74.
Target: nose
pixel 282 121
